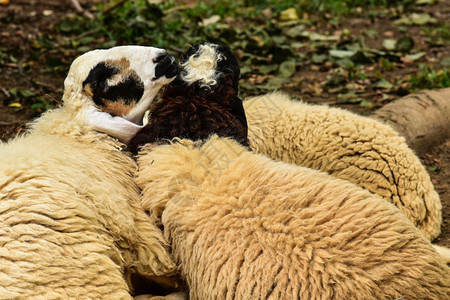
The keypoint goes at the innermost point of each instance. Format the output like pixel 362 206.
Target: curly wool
pixel 243 226
pixel 348 146
pixel 70 221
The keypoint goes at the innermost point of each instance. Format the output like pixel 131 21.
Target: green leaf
pixel 84 49
pixel 371 32
pixel 445 62
pixel 245 70
pixel 403 21
pixel 335 80
pixel 86 40
pixel 26 93
pixel 273 84
pixel 319 58
pixel 415 56
pixel 289 14
pixel 365 103
pixel 341 53
pixel 434 169
pixel 422 19
pixel 267 69
pixel 287 69
pixel 389 44
pixel 382 84
pixel 295 31
pixel 320 37
pixel 349 98
pixel 404 44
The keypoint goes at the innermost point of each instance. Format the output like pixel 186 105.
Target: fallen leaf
pixel 287 69
pixel 422 2
pixel 15 105
pixel 349 98
pixel 445 62
pixel 209 21
pixel 341 53
pixel 289 14
pixel 267 69
pixel 404 44
pixel 382 84
pixel 366 103
pixel 318 58
pixel 389 44
pixel 422 19
pixel 320 37
pixel 412 57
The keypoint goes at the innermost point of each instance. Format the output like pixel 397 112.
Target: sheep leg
pixel 443 252
pixel 152 250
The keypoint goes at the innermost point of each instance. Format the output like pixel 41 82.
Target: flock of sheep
pixel 267 198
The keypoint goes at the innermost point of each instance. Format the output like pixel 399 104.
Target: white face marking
pixel 139 57
pixel 203 67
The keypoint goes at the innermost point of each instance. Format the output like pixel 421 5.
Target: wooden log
pixel 422 118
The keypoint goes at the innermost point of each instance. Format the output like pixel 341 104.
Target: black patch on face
pixel 166 66
pixel 228 66
pixel 129 90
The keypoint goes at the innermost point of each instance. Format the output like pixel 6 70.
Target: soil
pixel 31 18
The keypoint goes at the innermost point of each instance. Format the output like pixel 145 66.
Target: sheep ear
pixel 116 127
pixel 238 110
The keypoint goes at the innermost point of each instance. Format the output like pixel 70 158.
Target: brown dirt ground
pixel 34 17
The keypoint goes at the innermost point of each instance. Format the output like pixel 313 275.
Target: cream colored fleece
pixel 345 145
pixel 70 221
pixel 243 226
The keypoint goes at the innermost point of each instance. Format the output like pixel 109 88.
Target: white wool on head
pixel 139 59
pixel 202 65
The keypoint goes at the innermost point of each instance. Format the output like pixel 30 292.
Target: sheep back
pixel 359 149
pixel 245 227
pixel 70 222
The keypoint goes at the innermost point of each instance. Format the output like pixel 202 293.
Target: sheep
pixel 243 226
pixel 203 99
pixel 70 221
pixel 351 147
pixel 356 148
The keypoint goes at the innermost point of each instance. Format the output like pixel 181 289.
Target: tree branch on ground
pixel 422 118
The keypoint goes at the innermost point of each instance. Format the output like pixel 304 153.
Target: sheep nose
pixel 166 66
pixel 160 57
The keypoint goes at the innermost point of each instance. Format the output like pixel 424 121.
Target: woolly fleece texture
pixel 345 145
pixel 281 231
pixel 70 221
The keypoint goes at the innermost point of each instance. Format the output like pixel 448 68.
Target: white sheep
pixel 345 145
pixel 70 221
pixel 243 226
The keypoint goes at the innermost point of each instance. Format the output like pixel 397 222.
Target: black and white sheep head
pixel 207 65
pixel 120 83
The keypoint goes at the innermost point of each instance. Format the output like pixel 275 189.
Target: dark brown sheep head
pixel 202 100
